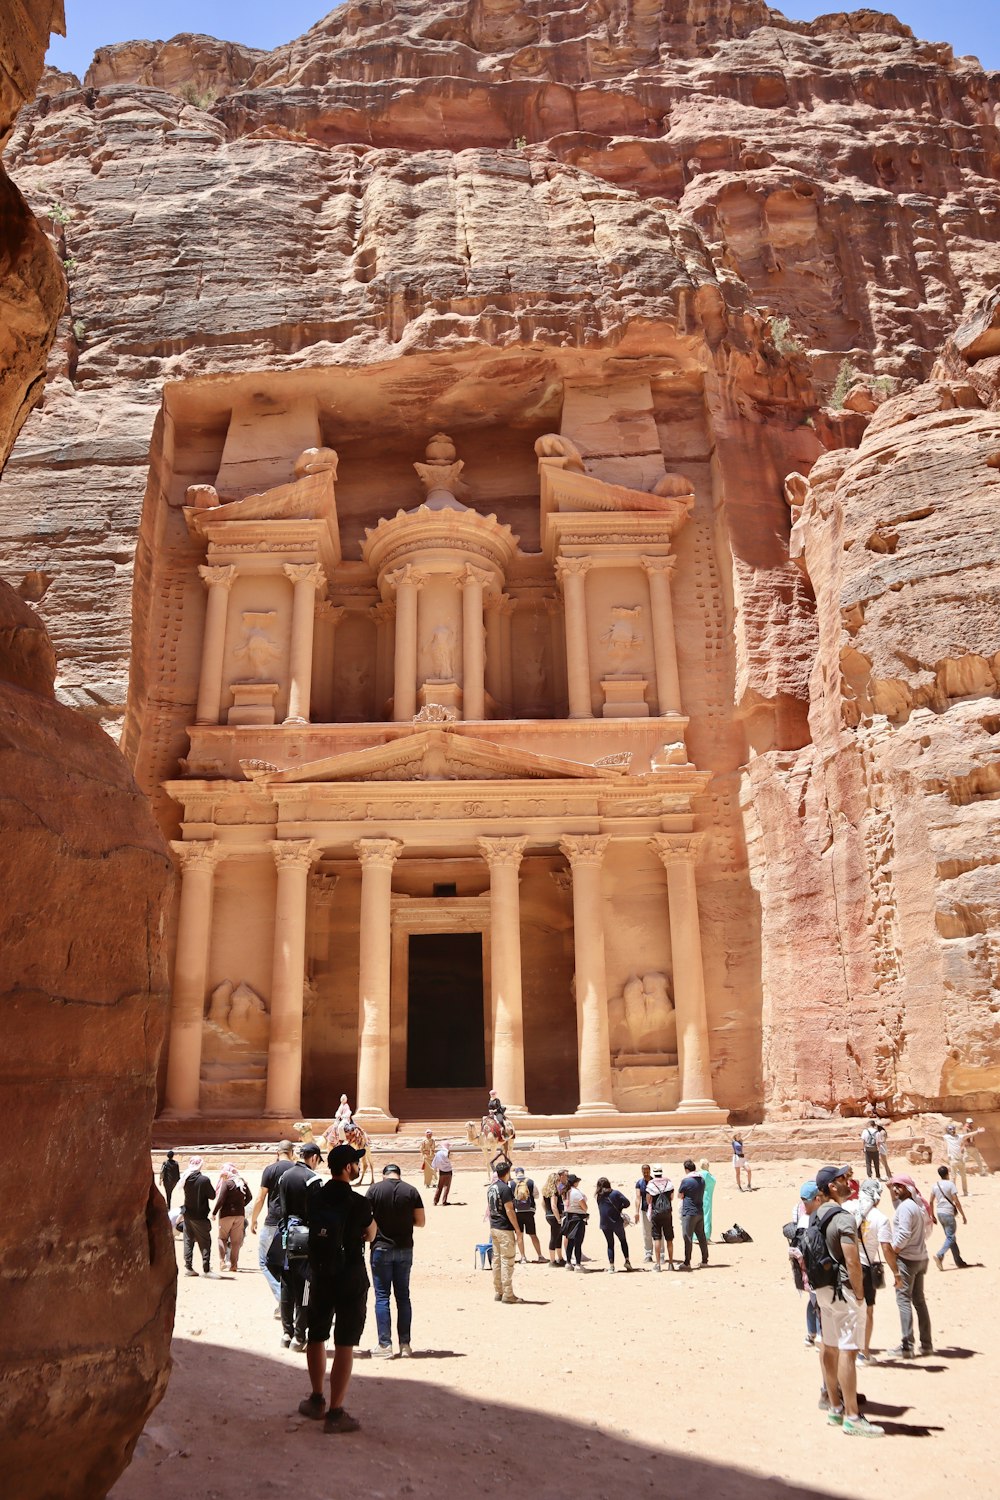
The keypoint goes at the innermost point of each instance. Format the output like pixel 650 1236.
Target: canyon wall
pixel 439 199
pixel 86 1261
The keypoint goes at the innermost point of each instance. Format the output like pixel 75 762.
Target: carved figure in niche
pixel 258 649
pixel 622 638
pixel 355 680
pixel 564 453
pixel 642 1017
pixel 238 1014
pixel 442 652
pixel 316 461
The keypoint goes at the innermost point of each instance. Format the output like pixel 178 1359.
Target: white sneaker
pixel 405 1352
pixel 612 1270
pixel 383 1351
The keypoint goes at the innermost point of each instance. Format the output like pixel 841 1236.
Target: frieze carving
pixel 436 713
pixel 622 758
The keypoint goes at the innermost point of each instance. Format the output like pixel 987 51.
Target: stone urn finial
pixel 441 475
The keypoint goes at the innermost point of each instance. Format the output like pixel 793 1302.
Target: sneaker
pixel 384 1351
pixel 657 1266
pixel 809 1340
pixel 498 1296
pixel 612 1270
pixel 628 1265
pixel 277 1311
pixel 682 1266
pixel 286 1340
pixel 835 1416
pixel 861 1427
pixel 299 1346
pixel 901 1351
pixel 340 1421
pixel 927 1348
pixel 938 1262
pixel 190 1271
pixel 648 1259
pixel 824 1401
pixel 860 1358
pixel 405 1352
pixel 313 1406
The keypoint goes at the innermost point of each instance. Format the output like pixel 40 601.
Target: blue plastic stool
pixel 483 1256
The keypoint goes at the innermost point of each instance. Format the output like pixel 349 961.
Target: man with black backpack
pixel 660 1198
pixel 829 1248
pixel 341 1222
pixel 870 1142
pixel 293 1199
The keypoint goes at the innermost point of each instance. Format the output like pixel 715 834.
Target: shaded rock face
pixel 445 205
pixel 86 1260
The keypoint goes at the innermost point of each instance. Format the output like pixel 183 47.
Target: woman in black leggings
pixel 611 1205
pixel 553 1204
pixel 574 1224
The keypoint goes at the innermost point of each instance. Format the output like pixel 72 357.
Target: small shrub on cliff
pixel 847 376
pixel 60 214
pixel 79 330
pixel 784 339
pixel 200 98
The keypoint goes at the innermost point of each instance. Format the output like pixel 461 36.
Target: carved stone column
pixel 473 581
pixel 377 858
pixel 668 687
pixel 328 617
pixel 407 582
pixel 293 858
pixel 307 579
pixel 679 853
pixel 383 614
pixel 572 572
pixel 197 861
pixel 494 667
pixel 585 853
pixel 504 859
pixel 218 581
pixel 505 608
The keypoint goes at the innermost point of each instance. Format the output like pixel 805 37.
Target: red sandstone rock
pixel 86 1261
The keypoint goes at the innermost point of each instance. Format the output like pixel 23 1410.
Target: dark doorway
pixel 445 1037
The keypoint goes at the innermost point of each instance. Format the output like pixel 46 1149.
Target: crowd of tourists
pixel 312 1229
pixel 842 1244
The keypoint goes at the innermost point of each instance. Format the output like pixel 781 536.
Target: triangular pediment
pixel 435 755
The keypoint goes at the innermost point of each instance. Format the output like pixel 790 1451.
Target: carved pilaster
pixel 572 573
pixel 218 580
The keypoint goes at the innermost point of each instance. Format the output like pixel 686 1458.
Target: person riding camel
pixel 498 1114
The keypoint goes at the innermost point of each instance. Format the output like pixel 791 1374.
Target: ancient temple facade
pixel 427 778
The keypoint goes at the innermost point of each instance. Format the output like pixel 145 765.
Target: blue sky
pixel 968 25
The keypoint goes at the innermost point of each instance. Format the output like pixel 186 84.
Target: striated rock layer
pixel 87 1274
pixel 445 211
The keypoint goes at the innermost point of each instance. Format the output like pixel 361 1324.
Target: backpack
pixel 663 1202
pixel 822 1268
pixel 296 1239
pixel 869 1138
pixel 326 1235
pixel 737 1236
pixel 522 1194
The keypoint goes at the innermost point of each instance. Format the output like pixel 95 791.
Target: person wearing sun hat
pixel 841 1306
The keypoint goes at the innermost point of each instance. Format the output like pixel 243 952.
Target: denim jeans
pixel 812 1317
pixel 949 1224
pixel 264 1238
pixel 391 1274
pixel 909 1299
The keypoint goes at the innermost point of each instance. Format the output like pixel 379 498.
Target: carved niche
pixel 234 1048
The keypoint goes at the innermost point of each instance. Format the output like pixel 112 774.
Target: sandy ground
pixel 598 1386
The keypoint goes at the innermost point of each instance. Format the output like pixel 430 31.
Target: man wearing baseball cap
pixel 841 1305
pixel 398 1210
pixel 340 1224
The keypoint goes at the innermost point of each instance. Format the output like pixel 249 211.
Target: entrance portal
pixel 445 1034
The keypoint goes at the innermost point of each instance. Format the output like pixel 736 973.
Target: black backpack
pixel 822 1267
pixel 327 1223
pixel 737 1236
pixel 663 1202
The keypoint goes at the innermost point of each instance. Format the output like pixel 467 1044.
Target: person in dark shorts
pixel 341 1223
pixel 660 1197
pixel 524 1207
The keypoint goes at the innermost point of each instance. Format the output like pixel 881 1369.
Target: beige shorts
pixel 840 1318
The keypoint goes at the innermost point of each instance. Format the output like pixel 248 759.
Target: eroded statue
pixel 442 653
pixel 642 1016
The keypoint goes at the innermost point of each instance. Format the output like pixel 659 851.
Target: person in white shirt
pixel 442 1164
pixel 874 1231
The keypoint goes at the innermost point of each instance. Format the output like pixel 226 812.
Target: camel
pixel 491 1141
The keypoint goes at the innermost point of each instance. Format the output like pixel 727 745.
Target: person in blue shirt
pixel 611 1205
pixel 692 1195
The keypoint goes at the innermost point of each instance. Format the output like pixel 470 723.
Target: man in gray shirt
pixel 841 1307
pixel 906 1255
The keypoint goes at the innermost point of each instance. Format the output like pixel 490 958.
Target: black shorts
pixel 866 1272
pixel 341 1305
pixel 663 1226
pixel 526 1223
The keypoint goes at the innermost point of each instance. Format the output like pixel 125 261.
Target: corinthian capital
pixel 659 564
pixel 294 854
pixel 406 574
pixel 676 849
pixel 470 575
pixel 502 853
pixel 201 854
pixel 332 614
pixel 311 573
pixel 572 567
pixel 585 848
pixel 379 854
pixel 218 577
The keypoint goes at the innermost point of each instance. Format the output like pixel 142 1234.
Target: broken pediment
pixel 308 498
pixel 570 491
pixel 434 755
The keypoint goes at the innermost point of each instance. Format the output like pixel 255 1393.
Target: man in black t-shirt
pixel 505 1232
pixel 293 1188
pixel 268 1194
pixel 340 1222
pixel 692 1195
pixel 169 1176
pixel 398 1209
pixel 198 1193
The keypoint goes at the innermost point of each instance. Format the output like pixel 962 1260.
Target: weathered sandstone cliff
pixel 460 205
pixel 86 1268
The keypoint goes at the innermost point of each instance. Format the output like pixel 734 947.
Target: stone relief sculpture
pixel 234 1048
pixel 642 1017
pixel 258 649
pixel 316 461
pixel 436 713
pixel 239 1013
pixel 560 451
pixel 674 754
pixel 442 653
pixel 622 638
